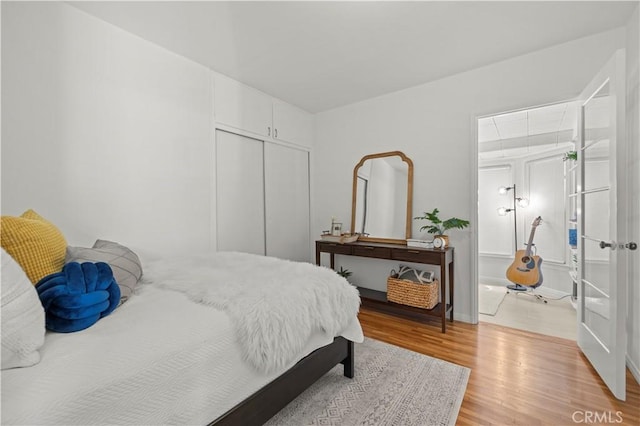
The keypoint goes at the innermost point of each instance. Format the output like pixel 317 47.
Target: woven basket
pixel 412 294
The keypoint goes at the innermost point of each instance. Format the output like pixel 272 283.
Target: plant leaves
pixel 438 226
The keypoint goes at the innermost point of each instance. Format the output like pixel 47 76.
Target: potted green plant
pixel 438 226
pixel 344 273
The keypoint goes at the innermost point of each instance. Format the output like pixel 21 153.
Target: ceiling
pixel 320 55
pixel 531 131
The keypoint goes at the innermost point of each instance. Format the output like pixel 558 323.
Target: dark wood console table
pixel 378 299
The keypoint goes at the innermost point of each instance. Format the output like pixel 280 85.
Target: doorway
pixel 525 165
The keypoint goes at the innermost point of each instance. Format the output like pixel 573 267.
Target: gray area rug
pixel 392 386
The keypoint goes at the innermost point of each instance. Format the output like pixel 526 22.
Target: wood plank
pixel 517 377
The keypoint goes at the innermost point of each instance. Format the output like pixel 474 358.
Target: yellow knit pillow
pixel 35 243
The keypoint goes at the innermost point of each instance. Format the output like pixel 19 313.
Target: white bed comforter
pixel 158 359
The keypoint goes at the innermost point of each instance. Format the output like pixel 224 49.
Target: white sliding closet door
pixel 287 202
pixel 239 193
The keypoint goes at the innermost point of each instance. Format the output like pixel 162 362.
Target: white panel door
pixel 602 284
pixel 287 202
pixel 292 124
pixel 239 193
pixel 242 107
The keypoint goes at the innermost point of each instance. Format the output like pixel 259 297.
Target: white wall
pixel 495 232
pixel 105 134
pixel 434 125
pixel 633 138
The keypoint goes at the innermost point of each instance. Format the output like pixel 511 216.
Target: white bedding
pixel 178 363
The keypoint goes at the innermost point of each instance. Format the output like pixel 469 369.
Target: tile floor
pixel 525 312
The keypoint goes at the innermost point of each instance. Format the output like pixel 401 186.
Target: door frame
pixel 474 164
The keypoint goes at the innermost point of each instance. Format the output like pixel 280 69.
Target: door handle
pixel 611 245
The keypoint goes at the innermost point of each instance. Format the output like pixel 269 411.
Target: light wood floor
pixel 517 377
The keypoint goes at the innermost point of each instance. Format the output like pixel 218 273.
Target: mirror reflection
pixel 382 197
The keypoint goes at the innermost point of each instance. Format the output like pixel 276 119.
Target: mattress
pixel 158 359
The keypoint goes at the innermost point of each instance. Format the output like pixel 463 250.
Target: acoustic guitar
pixel 525 269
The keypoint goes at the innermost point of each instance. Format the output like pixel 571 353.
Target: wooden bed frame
pixel 266 402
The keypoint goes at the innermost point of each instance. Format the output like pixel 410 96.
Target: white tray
pixel 339 239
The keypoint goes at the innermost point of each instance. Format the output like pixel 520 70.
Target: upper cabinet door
pixel 242 107
pixel 292 124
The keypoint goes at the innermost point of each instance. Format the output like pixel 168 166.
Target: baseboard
pixel 462 318
pixel 550 292
pixel 635 371
pixel 494 281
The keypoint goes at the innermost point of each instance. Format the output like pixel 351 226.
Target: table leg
pixel 332 261
pixel 443 293
pixel 451 289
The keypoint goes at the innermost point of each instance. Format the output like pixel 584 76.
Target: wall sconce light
pixel 502 211
pixel 517 201
pixel 504 189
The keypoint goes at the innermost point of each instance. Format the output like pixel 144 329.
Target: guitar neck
pixel 528 252
pixel 530 242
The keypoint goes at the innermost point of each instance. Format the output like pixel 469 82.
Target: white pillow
pixel 22 317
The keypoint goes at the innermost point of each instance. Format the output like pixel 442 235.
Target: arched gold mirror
pixel 382 198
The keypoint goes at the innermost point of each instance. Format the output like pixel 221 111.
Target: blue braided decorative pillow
pixel 78 296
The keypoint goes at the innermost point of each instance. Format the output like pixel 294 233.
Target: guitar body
pixel 525 269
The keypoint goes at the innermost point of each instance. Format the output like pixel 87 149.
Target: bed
pixel 176 353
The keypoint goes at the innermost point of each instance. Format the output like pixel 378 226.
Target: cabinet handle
pixel 413 251
pixel 269 131
pixel 275 132
pixel 368 248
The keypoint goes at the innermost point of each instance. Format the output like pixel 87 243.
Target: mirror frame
pixel 409 197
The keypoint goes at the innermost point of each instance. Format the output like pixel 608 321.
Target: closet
pixel 240 209
pixel 262 172
pixel 286 179
pixel 262 197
